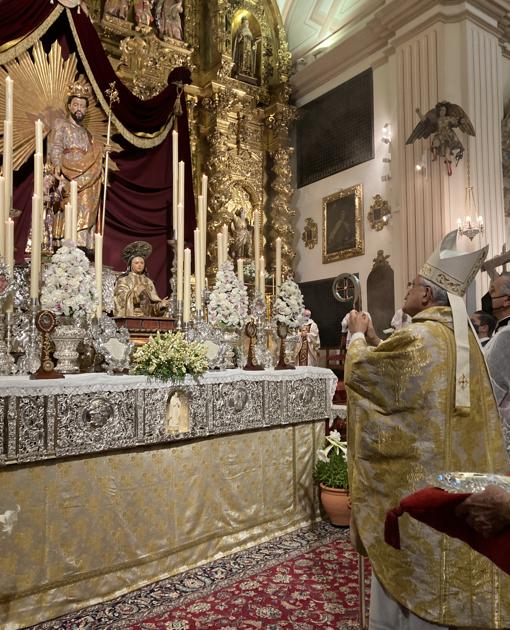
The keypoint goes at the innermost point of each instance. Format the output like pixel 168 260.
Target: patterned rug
pixel 304 580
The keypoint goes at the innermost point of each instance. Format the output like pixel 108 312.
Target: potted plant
pixel 331 474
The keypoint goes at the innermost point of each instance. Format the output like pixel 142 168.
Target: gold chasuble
pixel 403 428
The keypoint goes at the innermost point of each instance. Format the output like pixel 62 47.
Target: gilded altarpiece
pixel 238 102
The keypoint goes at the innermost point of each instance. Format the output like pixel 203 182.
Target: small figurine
pixel 441 122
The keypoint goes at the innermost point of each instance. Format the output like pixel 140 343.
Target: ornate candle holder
pixel 251 332
pixel 178 315
pixel 45 322
pixel 282 330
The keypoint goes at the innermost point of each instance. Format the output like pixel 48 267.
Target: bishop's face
pixel 416 297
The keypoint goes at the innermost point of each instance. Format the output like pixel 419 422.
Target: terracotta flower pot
pixel 335 502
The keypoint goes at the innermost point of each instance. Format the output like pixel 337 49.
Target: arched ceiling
pixel 312 26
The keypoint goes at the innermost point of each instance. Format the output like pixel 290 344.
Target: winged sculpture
pixel 439 123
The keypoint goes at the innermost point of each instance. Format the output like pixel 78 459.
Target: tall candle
pixel 219 242
pixel 175 178
pixel 38 174
pixel 198 270
pixel 262 275
pixel 256 246
pixel 240 270
pixel 9 93
pixel 2 215
pixel 203 233
pixel 67 222
pixel 74 210
pixel 9 244
pixel 186 310
pixel 224 231
pixel 36 249
pixel 39 136
pixel 180 251
pixel 98 266
pixel 7 169
pixel 278 266
pixel 180 187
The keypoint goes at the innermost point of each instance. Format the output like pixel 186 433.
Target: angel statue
pixel 441 122
pixel 47 88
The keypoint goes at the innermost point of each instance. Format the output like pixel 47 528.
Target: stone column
pixel 449 53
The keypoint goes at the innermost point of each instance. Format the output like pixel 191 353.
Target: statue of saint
pixel 143 12
pixel 244 50
pixel 241 235
pixel 117 8
pixel 135 294
pixel 75 156
pixel 168 18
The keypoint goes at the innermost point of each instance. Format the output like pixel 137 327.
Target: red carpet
pixel 305 580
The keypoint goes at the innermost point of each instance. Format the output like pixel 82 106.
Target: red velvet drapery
pixel 140 193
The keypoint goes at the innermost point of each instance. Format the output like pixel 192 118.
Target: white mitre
pixel 454 271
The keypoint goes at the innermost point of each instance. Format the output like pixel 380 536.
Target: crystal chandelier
pixel 470 227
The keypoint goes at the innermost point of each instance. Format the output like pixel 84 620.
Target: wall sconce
pixel 422 166
pixel 379 214
pixel 386 133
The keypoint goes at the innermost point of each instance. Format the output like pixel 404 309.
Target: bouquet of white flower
pixel 288 305
pixel 68 283
pixel 228 305
pixel 170 356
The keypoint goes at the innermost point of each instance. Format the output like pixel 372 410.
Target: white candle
pixel 98 266
pixel 262 275
pixel 219 242
pixel 256 246
pixel 180 187
pixel 224 230
pixel 38 175
pixel 39 136
pixel 2 215
pixel 9 92
pixel 278 264
pixel 74 210
pixel 67 222
pixel 9 244
pixel 180 251
pixel 35 249
pixel 175 178
pixel 7 169
pixel 240 270
pixel 186 310
pixel 203 234
pixel 198 270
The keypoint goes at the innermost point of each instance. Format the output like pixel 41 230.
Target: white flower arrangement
pixel 288 304
pixel 170 356
pixel 228 305
pixel 68 283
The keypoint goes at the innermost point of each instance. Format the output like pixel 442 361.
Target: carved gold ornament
pixel 310 235
pixel 379 214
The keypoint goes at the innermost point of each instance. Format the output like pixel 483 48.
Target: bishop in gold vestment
pixel 403 429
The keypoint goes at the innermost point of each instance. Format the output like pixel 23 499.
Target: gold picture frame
pixel 342 224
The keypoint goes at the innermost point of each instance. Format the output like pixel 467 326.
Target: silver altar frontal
pixel 112 482
pixel 92 413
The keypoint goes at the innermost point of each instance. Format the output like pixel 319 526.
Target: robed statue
pixel 135 294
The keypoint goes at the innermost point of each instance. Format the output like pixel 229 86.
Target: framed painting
pixel 342 224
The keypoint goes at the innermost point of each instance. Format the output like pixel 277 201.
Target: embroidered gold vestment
pixel 402 428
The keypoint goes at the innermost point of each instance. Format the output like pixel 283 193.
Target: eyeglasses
pixel 413 285
pixel 502 295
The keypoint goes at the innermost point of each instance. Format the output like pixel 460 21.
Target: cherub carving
pixel 441 122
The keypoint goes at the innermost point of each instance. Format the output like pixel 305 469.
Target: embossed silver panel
pixel 97 413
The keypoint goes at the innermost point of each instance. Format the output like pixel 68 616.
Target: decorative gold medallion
pixel 310 235
pixel 380 213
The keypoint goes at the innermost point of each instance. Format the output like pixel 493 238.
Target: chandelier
pixel 470 227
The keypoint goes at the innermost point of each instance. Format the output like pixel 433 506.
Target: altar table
pixel 111 491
